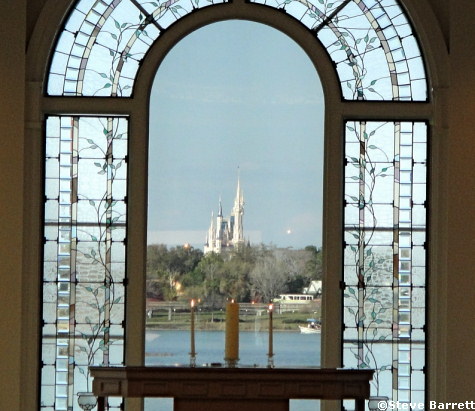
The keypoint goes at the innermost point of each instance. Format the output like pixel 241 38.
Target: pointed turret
pixel 237 215
pixel 224 233
pixel 239 196
pixel 211 236
pixel 220 208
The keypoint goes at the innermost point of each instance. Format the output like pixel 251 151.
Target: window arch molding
pixel 324 69
pixel 136 106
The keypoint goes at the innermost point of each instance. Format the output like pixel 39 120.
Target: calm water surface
pixel 169 347
pixel 290 348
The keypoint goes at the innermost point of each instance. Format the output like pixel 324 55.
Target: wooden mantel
pixel 231 389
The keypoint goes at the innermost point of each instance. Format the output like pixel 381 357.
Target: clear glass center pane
pixel 235 199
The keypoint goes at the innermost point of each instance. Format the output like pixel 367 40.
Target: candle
pixel 192 352
pixel 231 353
pixel 270 354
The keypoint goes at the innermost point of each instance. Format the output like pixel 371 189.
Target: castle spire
pixel 237 213
pixel 211 236
pixel 238 193
pixel 239 200
pixel 224 233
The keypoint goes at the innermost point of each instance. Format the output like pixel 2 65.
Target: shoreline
pixel 265 330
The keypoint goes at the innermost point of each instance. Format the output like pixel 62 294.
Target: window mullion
pixel 398 111
pixel 89 105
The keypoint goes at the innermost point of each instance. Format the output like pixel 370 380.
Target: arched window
pixel 377 114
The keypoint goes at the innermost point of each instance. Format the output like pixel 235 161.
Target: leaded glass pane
pixel 84 263
pixel 384 255
pixel 371 43
pixel 98 53
pixel 376 54
pixel 103 43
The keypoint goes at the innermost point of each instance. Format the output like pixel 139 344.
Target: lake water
pixel 167 347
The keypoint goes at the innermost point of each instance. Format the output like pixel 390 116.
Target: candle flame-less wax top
pixel 232 332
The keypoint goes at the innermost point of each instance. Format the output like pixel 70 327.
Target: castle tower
pixel 219 229
pixel 210 243
pixel 237 217
pixel 226 234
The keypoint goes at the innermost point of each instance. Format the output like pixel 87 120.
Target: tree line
pixel 250 273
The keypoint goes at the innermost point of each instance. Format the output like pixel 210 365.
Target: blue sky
pixel 235 95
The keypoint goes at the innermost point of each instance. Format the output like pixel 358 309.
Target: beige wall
pixel 453 314
pixel 12 90
pixel 460 165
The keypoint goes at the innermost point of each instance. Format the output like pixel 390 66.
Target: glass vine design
pixel 100 49
pixel 385 255
pixel 98 53
pixel 84 254
pixel 371 43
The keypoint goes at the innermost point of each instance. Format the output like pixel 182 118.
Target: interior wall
pixel 12 92
pixel 455 235
pixel 441 10
pixel 460 242
pixel 32 12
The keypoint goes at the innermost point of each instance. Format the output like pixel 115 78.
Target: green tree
pixel 157 256
pixel 268 277
pixel 211 268
pixel 313 264
pixel 236 283
pixel 166 269
pixel 262 271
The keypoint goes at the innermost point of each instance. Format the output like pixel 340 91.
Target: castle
pixel 226 234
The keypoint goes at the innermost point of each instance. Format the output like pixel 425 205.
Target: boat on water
pixel 313 327
pixel 309 330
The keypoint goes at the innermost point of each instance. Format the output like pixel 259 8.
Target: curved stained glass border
pixel 371 42
pixel 103 42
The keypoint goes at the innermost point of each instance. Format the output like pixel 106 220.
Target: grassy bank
pixel 252 321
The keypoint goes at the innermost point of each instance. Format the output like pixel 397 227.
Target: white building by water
pixel 224 233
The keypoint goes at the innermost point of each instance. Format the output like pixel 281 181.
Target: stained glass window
pixel 101 47
pixel 371 43
pixel 385 255
pixel 98 53
pixel 84 254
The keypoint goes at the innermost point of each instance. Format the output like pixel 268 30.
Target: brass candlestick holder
pixel 231 362
pixel 192 335
pixel 270 354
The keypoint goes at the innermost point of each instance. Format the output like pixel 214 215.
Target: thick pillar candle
pixel 231 353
